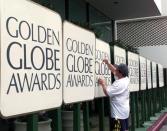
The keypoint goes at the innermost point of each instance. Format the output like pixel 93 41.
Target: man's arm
pixel 110 66
pixel 103 85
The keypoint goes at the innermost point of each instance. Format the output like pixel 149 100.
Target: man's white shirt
pixel 119 98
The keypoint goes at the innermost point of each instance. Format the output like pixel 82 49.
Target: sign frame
pixel 160 75
pixel 154 74
pixel 21 35
pixel 87 38
pixel 119 55
pixel 133 65
pixel 102 71
pixel 149 78
pixel 143 77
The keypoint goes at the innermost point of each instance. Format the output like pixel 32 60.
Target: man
pixel 119 96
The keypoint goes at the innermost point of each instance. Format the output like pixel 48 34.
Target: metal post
pixel 136 96
pixel 148 104
pixel 32 122
pixel 156 100
pixel 162 91
pixel 164 96
pixel 152 101
pixel 86 116
pixel 143 106
pixel 101 114
pixel 132 111
pixel 76 115
pixel 160 99
pixel 56 119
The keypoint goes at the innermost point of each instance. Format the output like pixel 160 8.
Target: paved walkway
pixel 154 119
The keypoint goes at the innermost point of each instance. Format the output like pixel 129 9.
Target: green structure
pixel 97 17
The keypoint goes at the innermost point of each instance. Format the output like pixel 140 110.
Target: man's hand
pixel 106 61
pixel 103 85
pixel 101 82
pixel 110 66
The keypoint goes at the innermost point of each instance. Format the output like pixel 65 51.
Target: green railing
pixel 137 118
pixel 144 104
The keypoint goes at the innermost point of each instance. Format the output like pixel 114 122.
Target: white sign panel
pixel 154 75
pixel 143 73
pixel 161 75
pixel 119 55
pixel 79 63
pixel 101 69
pixel 31 58
pixel 149 73
pixel 133 65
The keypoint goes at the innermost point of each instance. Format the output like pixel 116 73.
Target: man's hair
pixel 123 69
